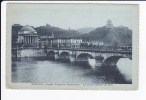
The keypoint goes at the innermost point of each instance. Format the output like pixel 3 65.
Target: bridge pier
pixel 99 61
pixel 73 59
pixel 56 56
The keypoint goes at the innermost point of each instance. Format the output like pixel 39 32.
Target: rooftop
pixel 27 30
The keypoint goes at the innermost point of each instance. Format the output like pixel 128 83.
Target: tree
pixel 90 45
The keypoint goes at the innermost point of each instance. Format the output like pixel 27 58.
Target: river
pixel 45 71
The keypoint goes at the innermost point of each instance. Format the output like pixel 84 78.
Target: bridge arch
pixel 84 56
pixel 51 52
pixel 64 56
pixel 51 55
pixel 62 51
pixel 112 60
pixel 116 72
pixel 85 59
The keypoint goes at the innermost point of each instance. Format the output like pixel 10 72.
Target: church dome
pixel 27 30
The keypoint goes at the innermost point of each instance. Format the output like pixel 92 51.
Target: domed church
pixel 27 36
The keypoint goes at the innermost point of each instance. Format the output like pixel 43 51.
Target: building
pixel 66 42
pixel 92 43
pixel 15 29
pixel 109 24
pixel 46 40
pixel 27 37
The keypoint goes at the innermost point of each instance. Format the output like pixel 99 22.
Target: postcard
pixel 72 46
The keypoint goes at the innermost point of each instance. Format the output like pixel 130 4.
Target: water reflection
pixel 32 70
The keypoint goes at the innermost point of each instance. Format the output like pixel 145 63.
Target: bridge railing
pixel 96 49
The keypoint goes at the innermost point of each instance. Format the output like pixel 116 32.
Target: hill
pixel 117 36
pixel 85 30
pixel 58 32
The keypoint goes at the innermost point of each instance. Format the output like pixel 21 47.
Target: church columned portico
pixel 30 39
pixel 27 36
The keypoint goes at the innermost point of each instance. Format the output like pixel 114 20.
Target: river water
pixel 45 71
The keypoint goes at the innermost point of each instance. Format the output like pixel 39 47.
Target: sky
pixel 74 16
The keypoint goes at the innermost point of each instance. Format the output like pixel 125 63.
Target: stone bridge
pixel 100 57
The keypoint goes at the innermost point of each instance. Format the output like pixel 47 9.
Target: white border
pixel 76 94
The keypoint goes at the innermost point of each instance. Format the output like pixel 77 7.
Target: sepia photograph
pixel 72 46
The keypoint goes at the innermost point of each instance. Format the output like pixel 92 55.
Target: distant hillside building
pixel 109 24
pixel 27 36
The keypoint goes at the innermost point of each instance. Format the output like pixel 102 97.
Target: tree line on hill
pixel 116 36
